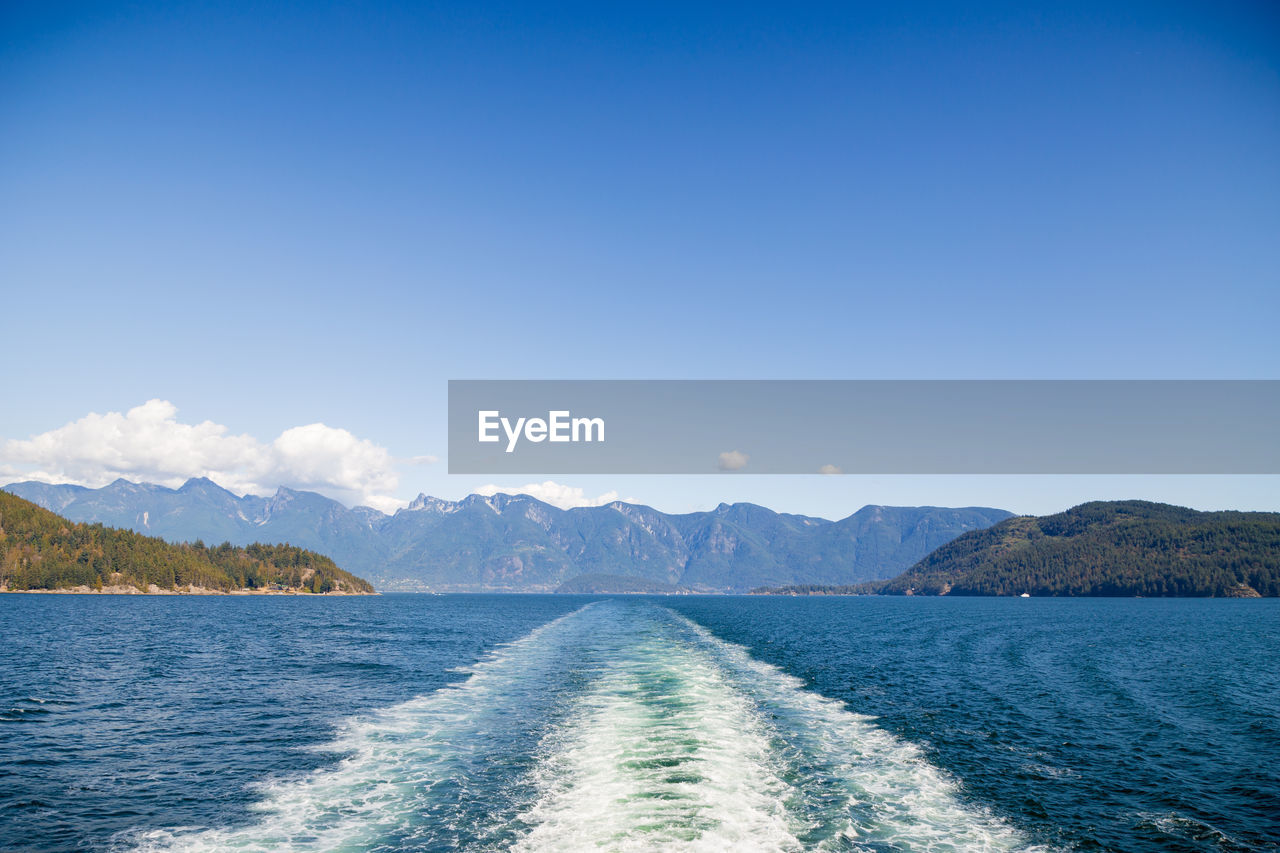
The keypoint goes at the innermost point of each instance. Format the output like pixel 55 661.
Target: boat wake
pixel 620 726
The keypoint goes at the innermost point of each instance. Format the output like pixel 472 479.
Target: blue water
pixel 536 723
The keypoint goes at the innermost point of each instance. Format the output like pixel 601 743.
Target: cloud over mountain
pixel 549 491
pixel 149 443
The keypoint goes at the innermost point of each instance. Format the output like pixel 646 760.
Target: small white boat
pixel 1025 595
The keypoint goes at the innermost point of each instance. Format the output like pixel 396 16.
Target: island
pixel 1101 548
pixel 44 552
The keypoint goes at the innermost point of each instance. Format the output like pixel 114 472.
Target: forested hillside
pixel 1107 548
pixel 41 550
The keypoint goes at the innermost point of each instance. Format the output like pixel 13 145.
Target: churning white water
pixel 621 726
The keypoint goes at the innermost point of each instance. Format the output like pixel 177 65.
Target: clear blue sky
pixel 273 215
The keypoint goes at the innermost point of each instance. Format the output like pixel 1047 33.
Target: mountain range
pixel 516 543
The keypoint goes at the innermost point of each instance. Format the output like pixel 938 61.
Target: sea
pixel 566 723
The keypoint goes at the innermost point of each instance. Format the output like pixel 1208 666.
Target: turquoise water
pixel 542 723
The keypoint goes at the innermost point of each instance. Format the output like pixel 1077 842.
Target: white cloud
pixel 383 503
pixel 733 460
pixel 148 443
pixel 316 456
pixel 420 460
pixel 830 469
pixel 556 494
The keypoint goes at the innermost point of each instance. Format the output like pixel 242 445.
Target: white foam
pixel 632 728
pixel 890 796
pixel 663 754
pixel 397 759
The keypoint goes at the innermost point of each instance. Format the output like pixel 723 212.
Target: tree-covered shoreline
pixel 1102 548
pixel 41 551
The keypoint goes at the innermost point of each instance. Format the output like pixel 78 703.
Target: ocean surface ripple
pixel 558 723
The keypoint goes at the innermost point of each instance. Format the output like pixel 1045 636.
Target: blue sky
pixel 275 215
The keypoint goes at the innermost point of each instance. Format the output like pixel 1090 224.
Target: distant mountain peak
pixel 421 502
pixel 201 483
pixel 502 500
pixel 426 503
pixel 496 502
pixel 281 499
pixel 121 484
pixel 369 515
